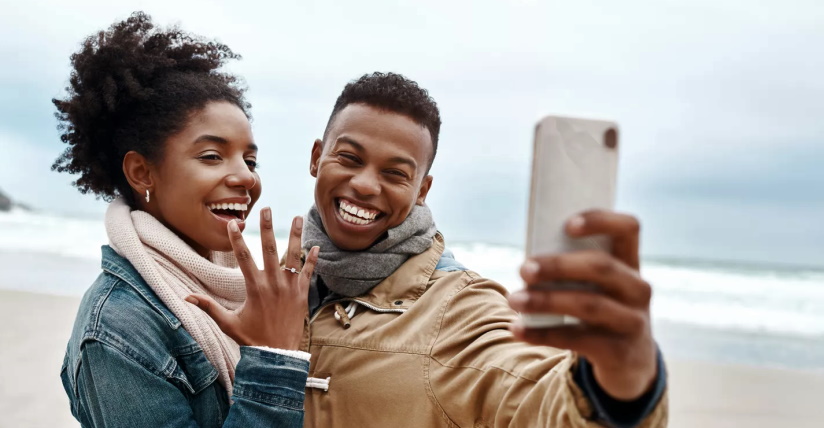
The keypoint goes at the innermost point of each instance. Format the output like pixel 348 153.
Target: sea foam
pixel 730 297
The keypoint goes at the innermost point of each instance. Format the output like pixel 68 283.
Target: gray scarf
pixel 353 273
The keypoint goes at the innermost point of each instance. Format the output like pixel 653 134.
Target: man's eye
pixel 253 164
pixel 397 172
pixel 210 157
pixel 349 157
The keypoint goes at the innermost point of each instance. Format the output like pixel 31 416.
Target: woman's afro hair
pixel 131 87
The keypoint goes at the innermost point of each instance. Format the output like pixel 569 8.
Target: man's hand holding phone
pixel 614 334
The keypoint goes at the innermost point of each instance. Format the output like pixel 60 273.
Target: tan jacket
pixel 428 348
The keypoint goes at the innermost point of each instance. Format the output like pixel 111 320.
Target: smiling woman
pixel 209 163
pixel 155 129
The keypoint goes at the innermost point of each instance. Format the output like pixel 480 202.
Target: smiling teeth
pixel 234 207
pixel 356 215
pixel 357 212
pixel 353 219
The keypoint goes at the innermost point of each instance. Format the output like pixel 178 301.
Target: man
pixel 407 336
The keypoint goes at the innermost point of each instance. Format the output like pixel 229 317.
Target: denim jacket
pixel 130 363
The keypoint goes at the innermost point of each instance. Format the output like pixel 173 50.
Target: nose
pixel 241 176
pixel 366 183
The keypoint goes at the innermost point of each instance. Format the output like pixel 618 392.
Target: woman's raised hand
pixel 276 299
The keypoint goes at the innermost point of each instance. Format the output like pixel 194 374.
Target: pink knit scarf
pixel 174 270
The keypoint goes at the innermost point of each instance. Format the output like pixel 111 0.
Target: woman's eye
pixel 210 157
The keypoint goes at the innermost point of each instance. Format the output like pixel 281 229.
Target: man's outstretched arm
pixel 620 370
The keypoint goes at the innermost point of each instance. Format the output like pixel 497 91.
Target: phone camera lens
pixel 611 138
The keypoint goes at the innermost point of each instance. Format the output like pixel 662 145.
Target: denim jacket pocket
pixel 191 369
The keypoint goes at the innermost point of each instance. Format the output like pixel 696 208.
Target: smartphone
pixel 574 169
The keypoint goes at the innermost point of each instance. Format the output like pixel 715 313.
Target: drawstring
pixel 345 315
pixel 350 309
pixel 318 383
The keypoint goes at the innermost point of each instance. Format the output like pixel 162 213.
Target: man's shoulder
pixel 451 273
pixel 448 263
pixel 464 289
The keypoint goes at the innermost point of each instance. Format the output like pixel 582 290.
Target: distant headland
pixel 6 204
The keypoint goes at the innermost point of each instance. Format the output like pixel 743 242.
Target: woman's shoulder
pixel 121 311
pixel 121 314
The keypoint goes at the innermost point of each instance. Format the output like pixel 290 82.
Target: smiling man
pixel 407 336
pixel 371 174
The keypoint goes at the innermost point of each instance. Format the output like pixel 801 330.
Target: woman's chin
pixel 216 244
pixel 224 247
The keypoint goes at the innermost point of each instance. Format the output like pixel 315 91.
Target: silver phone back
pixel 574 169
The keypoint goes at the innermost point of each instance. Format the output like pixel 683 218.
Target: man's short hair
pixel 395 93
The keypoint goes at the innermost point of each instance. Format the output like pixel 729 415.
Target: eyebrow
pixel 206 138
pixel 395 159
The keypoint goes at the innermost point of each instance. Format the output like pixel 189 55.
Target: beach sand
pixel 34 329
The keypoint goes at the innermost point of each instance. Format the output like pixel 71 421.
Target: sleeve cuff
pixel 305 356
pixel 270 378
pixel 618 413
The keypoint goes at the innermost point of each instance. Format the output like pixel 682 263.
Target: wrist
pixel 627 386
pixel 627 382
pixel 619 413
pixel 276 340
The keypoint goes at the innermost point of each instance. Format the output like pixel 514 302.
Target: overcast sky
pixel 721 104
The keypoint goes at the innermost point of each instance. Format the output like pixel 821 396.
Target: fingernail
pixel 518 300
pixel 315 251
pixel 576 223
pixel 233 226
pixel 530 268
pixel 267 214
pixel 299 222
pixel 191 299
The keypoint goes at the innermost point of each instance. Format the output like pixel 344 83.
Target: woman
pixel 155 128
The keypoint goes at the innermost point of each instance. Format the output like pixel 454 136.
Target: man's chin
pixel 350 243
pixel 348 240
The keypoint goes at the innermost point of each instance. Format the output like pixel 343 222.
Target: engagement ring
pixel 293 270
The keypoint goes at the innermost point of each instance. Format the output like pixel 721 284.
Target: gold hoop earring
pixel 148 198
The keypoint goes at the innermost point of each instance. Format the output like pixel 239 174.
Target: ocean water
pixel 754 314
pixel 756 299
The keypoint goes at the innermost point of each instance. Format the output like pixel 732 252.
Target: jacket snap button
pixel 399 302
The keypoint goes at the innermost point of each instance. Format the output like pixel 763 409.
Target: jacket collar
pixel 120 267
pixel 406 285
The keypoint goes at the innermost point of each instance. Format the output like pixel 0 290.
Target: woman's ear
pixel 317 150
pixel 426 184
pixel 138 172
